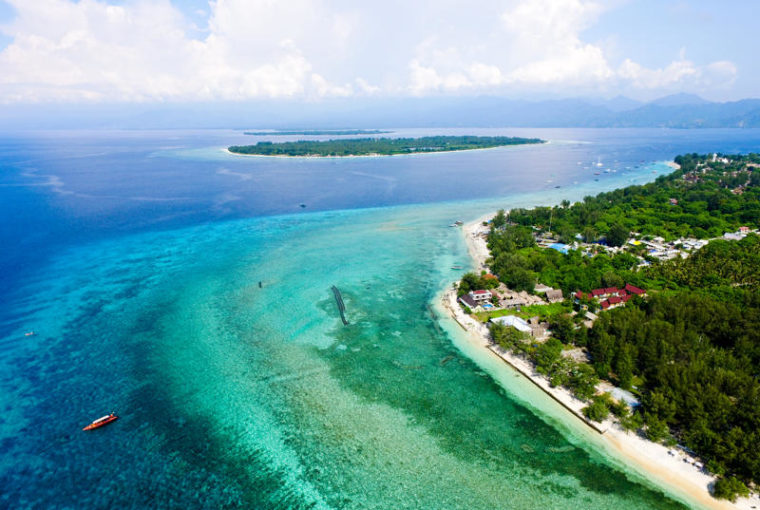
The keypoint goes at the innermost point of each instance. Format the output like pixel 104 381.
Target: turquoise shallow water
pixel 137 257
pixel 236 395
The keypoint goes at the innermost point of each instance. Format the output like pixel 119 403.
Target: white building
pixel 514 321
pixel 481 295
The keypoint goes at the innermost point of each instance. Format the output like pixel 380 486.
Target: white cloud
pixel 147 50
pixel 140 51
pixel 720 74
pixel 640 77
pixel 582 65
pixel 545 24
pixel 426 79
pixel 679 74
pixel 547 42
pixel 484 74
pixel 540 47
pixel 365 87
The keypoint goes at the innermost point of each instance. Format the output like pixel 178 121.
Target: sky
pixel 94 51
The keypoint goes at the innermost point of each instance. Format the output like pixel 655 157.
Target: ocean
pixel 188 290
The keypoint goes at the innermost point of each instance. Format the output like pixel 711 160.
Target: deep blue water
pixel 63 188
pixel 136 258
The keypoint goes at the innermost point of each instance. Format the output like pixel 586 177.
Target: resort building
pixel 605 293
pixel 611 297
pixel 467 301
pixel 480 295
pixel 614 302
pixel 515 322
pixel 552 295
pixel 513 302
pixel 477 300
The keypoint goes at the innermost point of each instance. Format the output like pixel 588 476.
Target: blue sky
pixel 654 31
pixel 195 50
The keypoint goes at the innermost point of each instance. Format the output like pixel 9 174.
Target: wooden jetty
pixel 341 306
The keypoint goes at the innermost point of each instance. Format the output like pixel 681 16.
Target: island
pixel 379 146
pixel 317 132
pixel 639 310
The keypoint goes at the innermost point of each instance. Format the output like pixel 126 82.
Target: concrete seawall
pixel 531 378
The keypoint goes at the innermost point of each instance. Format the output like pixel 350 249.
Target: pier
pixel 341 306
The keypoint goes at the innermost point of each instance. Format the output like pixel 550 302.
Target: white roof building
pixel 514 321
pixel 481 295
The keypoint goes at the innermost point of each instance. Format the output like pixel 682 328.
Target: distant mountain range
pixel 675 111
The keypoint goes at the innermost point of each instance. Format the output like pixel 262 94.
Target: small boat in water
pixel 30 333
pixel 103 420
pixel 456 267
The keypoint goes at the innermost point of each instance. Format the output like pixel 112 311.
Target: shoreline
pixel 314 156
pixel 650 460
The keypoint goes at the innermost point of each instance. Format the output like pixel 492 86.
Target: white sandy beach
pixel 674 469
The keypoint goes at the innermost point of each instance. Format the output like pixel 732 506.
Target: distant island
pixel 315 132
pixel 379 146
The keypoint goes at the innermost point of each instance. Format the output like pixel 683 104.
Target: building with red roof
pixel 606 292
pixel 612 302
pixel 612 296
pixel 481 295
pixel 630 289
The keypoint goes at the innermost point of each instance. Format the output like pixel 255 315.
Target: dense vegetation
pixel 696 353
pixel 520 263
pixel 691 350
pixel 315 132
pixel 702 199
pixel 382 146
pixel 580 378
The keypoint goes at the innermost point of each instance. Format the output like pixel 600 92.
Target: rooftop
pixel 514 321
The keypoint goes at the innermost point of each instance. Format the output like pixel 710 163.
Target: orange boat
pixel 105 420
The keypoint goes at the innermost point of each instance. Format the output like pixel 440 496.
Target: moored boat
pixel 103 420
